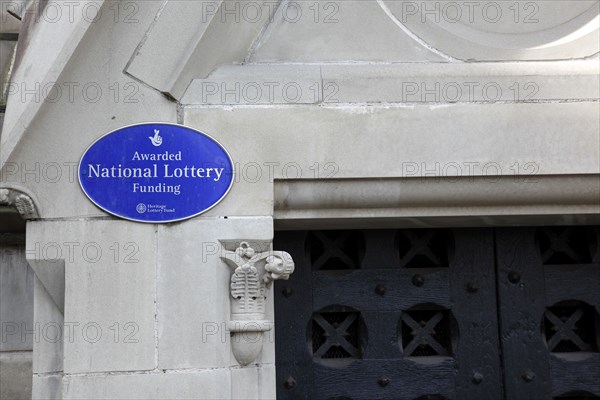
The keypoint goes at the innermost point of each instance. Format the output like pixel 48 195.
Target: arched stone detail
pixel 21 201
pixel 548 30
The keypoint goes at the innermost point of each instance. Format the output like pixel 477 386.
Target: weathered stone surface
pixel 16 299
pixel 501 31
pixel 92 97
pixel 7 48
pixel 381 141
pixel 110 269
pixel 15 375
pixel 53 40
pixel 47 387
pixel 180 46
pixel 11 24
pixel 325 31
pixel 461 82
pixel 257 382
pixel 437 202
pixel 401 31
pixel 193 384
pixel 407 83
pixel 258 84
pixel 47 333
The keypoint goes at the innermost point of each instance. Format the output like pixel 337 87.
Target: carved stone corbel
pixel 19 200
pixel 253 274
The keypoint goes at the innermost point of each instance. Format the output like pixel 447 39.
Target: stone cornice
pixel 398 83
pixel 438 201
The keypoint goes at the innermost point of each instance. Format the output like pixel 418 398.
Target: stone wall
pixel 16 277
pixel 16 319
pixel 346 114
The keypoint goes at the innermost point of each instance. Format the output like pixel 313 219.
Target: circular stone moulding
pixel 502 30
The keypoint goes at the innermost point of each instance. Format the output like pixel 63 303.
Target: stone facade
pixel 336 114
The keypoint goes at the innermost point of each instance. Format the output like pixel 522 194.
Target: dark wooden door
pixel 549 291
pixel 431 314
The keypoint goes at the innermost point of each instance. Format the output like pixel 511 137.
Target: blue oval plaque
pixel 156 172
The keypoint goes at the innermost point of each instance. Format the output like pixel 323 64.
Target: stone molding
pixel 185 43
pixel 252 276
pixel 399 83
pixel 545 30
pixel 437 201
pixel 22 202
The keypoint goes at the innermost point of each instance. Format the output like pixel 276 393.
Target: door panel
pixel 522 306
pixel 388 314
pixel 473 279
pixel 549 295
pixel 293 312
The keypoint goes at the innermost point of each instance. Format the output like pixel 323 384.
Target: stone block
pixel 258 85
pixel 211 384
pixel 110 269
pixel 47 332
pixel 325 31
pixel 255 382
pixel 385 141
pixel 461 82
pixel 47 387
pixel 15 375
pixel 16 299
pixel 10 23
pixel 181 44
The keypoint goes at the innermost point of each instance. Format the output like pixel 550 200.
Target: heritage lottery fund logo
pixel 156 172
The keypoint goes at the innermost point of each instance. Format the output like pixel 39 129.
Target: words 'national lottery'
pixel 156 172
